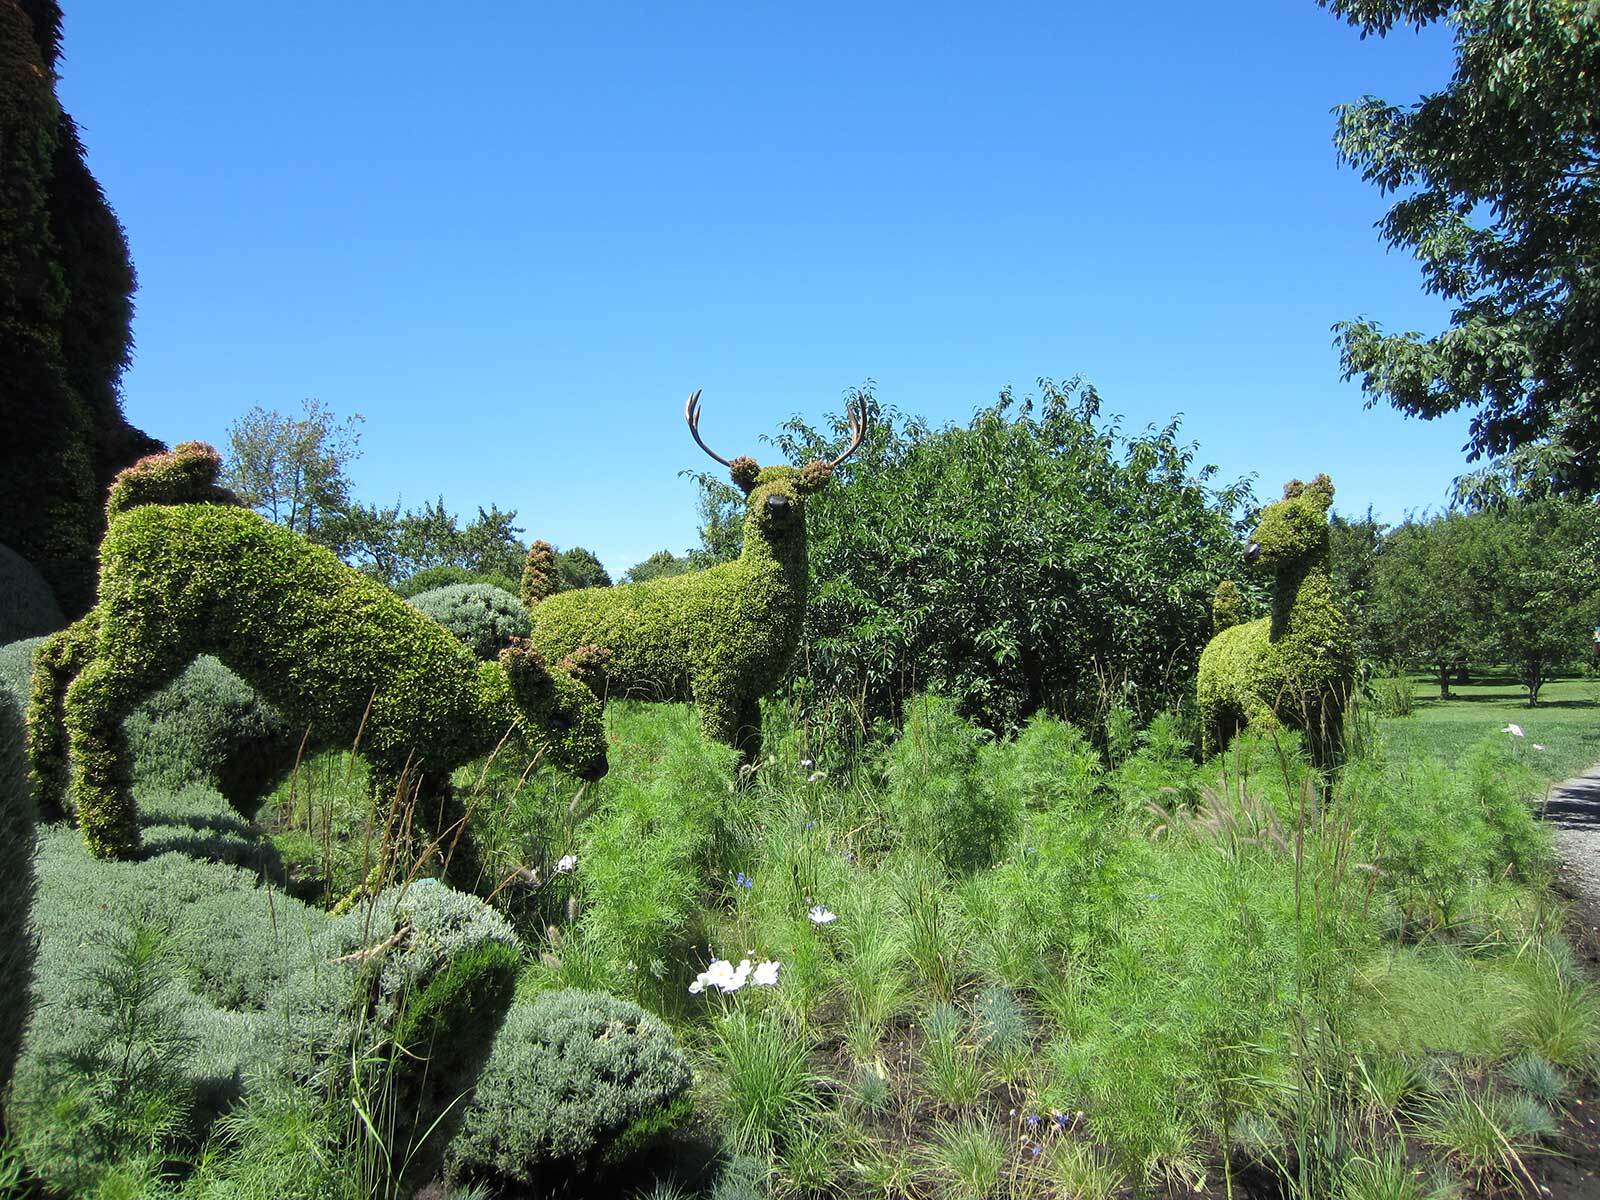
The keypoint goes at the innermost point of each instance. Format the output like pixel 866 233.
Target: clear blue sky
pixel 515 236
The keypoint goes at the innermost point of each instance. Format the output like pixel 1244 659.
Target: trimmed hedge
pixel 27 605
pixel 577 1082
pixel 433 578
pixel 1296 666
pixel 210 727
pixel 484 617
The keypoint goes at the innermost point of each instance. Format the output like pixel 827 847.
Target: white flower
pixel 722 975
pixel 821 915
pixel 816 775
pixel 566 864
pixel 1536 745
pixel 766 974
pixel 1513 729
pixel 806 764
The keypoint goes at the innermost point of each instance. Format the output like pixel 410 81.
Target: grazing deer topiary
pixel 722 636
pixel 1295 667
pixel 185 570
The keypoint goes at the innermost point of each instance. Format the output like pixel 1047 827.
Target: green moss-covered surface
pixel 1295 667
pixel 330 648
pixel 722 637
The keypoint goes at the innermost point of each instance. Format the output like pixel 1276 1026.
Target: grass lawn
pixel 1566 723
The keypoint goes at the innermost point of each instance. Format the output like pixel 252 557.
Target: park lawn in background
pixel 1566 722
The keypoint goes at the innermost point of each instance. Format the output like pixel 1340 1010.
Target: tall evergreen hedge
pixel 66 303
pixel 16 862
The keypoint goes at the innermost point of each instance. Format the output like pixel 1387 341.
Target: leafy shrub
pixel 433 578
pixel 28 607
pixel 1051 767
pixel 575 1083
pixel 410 987
pixel 16 856
pixel 939 798
pixel 483 616
pixel 210 727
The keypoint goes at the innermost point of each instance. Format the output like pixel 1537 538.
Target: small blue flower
pixel 1035 1149
pixel 811 824
pixel 744 881
pixel 1061 1120
pixel 1032 1121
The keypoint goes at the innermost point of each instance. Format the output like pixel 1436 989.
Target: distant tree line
pixel 1515 585
pixel 295 470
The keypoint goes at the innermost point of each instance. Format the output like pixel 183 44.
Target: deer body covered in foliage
pixel 1295 667
pixel 185 570
pixel 722 636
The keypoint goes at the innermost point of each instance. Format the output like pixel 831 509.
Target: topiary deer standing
pixel 1295 667
pixel 185 570
pixel 722 636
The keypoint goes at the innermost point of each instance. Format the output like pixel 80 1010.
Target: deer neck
pixel 1309 575
pixel 780 555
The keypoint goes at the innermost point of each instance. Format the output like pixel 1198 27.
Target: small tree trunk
pixel 1444 681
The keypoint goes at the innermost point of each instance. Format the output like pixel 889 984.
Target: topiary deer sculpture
pixel 722 636
pixel 1295 667
pixel 185 570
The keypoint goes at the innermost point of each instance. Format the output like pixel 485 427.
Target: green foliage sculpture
pixel 335 651
pixel 1294 667
pixel 722 636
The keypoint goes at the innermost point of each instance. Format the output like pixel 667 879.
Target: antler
pixel 691 412
pixel 858 430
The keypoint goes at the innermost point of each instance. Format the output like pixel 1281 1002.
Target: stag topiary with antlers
pixel 723 636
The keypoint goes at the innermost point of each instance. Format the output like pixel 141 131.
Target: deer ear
pixel 1320 489
pixel 1292 489
pixel 587 664
pixel 813 477
pixel 744 472
pixel 525 667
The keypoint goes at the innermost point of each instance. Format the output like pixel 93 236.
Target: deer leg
pixel 108 688
pixel 446 817
pixel 57 663
pixel 729 717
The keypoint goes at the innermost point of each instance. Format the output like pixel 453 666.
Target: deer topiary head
pixel 1293 533
pixel 775 496
pixel 560 710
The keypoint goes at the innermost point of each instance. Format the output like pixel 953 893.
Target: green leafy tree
pixel 397 547
pixel 1430 592
pixel 579 568
pixel 660 565
pixel 1545 594
pixel 1353 547
pixel 1036 558
pixel 294 470
pixel 1497 179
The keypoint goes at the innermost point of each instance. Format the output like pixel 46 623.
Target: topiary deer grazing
pixel 185 570
pixel 722 636
pixel 1293 668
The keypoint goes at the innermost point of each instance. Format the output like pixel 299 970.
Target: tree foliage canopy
pixel 1498 185
pixel 1036 558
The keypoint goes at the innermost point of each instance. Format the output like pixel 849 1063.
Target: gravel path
pixel 1574 809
